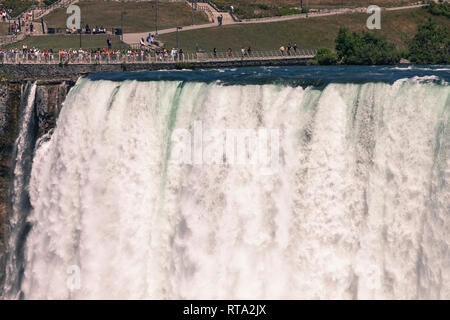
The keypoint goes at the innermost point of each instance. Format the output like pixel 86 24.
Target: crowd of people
pixel 87 30
pixel 23 23
pixel 163 54
pixel 81 55
pixel 289 49
pixel 149 51
pixel 25 54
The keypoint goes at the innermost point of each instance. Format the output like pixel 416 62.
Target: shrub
pixel 441 9
pixel 325 56
pixel 430 45
pixel 364 49
pixel 49 2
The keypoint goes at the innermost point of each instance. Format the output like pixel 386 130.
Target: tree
pixel 441 9
pixel 430 45
pixel 364 49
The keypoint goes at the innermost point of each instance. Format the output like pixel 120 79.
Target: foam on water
pixel 358 207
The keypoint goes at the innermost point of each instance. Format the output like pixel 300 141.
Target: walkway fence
pixel 19 57
pixel 39 12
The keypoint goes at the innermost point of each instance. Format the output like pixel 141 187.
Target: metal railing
pixel 39 12
pixel 116 57
pixel 206 10
pixel 214 7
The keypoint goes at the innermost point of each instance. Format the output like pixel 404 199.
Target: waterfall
pixel 18 227
pixel 356 204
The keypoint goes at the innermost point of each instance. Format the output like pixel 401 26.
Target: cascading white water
pixel 358 206
pixel 17 224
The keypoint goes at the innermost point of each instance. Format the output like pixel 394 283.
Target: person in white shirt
pixel 174 54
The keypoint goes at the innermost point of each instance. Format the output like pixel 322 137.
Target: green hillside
pixel 397 26
pixel 265 8
pixel 139 17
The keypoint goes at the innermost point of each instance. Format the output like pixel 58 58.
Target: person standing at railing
pixel 249 51
pixel 45 55
pixel 180 55
pixel 230 53
pixel 150 39
pixel 215 53
pixel 173 53
pixel 282 50
pixel 36 54
pixel 295 48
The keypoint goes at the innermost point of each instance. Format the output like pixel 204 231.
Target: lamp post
pixel 192 12
pixel 178 28
pixel 81 31
pixel 156 17
pixel 121 27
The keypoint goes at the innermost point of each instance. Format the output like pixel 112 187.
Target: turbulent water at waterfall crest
pixel 357 206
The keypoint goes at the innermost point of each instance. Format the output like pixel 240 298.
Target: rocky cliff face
pixel 48 103
pixel 9 125
pixel 49 100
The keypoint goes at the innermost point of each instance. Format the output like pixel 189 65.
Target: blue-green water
pixel 295 76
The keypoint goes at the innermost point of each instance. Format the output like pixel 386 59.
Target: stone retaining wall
pixel 73 71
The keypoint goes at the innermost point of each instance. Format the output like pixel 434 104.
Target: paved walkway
pixel 37 14
pixel 133 38
pixel 13 57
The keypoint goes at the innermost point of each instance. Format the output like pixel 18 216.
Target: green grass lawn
pixel 397 26
pixel 140 16
pixel 265 8
pixel 68 41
